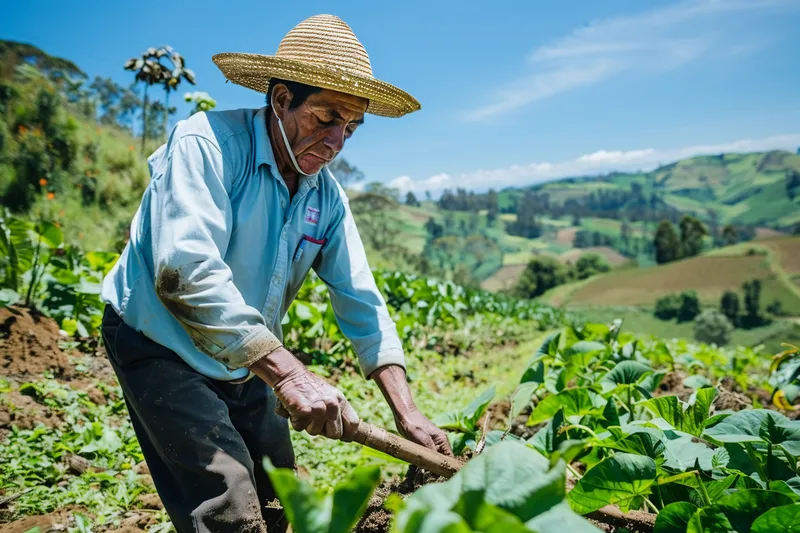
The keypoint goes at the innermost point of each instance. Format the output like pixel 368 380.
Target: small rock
pixel 142 469
pixel 150 501
pixel 146 480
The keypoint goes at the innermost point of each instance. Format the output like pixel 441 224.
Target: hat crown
pixel 326 40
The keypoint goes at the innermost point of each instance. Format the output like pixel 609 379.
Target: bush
pixel 667 307
pixel 711 326
pixel 729 306
pixel 590 264
pixel 541 275
pixel 689 307
pixel 776 309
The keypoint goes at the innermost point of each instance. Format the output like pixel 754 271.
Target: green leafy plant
pixel 312 511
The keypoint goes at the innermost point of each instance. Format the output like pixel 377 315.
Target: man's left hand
pixel 416 427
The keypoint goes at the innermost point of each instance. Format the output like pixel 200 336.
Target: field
pixel 710 275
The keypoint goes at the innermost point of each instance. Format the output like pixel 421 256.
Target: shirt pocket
pixel 303 256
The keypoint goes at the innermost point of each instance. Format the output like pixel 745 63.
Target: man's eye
pixel 325 123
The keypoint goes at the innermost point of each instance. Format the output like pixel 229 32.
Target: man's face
pixel 318 129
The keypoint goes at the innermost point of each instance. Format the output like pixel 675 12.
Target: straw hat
pixel 321 51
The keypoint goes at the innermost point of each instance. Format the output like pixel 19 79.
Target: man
pixel 239 208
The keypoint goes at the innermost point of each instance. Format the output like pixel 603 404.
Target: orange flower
pixel 61 213
pixel 88 174
pixel 51 195
pixel 80 235
pixel 22 129
pixel 131 147
pixel 56 224
pixel 42 182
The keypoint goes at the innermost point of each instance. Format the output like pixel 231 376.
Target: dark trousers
pixel 203 439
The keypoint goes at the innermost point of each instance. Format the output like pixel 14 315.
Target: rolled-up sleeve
pixel 359 306
pixel 191 228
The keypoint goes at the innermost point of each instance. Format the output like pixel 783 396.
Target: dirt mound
pixel 51 522
pixel 25 412
pixel 29 344
pixel 672 384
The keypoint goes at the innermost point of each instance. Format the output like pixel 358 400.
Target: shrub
pixel 541 275
pixel 690 306
pixel 729 306
pixel 667 307
pixel 775 308
pixel 711 326
pixel 590 264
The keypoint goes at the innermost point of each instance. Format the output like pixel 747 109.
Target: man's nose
pixel 335 138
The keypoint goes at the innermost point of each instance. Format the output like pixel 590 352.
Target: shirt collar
pixel 263 147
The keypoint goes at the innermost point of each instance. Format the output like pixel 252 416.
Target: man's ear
pixel 281 98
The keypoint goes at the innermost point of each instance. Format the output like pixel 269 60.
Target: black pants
pixel 203 439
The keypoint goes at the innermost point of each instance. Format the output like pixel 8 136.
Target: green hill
pixel 747 189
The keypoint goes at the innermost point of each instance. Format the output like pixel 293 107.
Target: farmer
pixel 239 208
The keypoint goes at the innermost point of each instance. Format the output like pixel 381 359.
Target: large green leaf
pixel 548 439
pixel 507 476
pixel 627 373
pixel 683 453
pixel 623 479
pixel 644 443
pixel 674 518
pixel 784 519
pixel 307 510
pixel 582 353
pixel 579 401
pixel 521 397
pixel 708 520
pixel 744 426
pixel 743 506
pixel 50 234
pixel 350 498
pixel 690 418
pixel 466 420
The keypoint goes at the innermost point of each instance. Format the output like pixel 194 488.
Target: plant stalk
pixel 33 270
pixel 702 489
pixel 759 467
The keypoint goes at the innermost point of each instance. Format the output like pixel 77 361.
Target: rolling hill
pixel 741 188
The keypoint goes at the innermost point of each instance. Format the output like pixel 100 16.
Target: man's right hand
pixel 312 404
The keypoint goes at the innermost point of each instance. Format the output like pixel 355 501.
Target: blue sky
pixel 510 95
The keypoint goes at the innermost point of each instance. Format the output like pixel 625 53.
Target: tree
pixel 108 94
pixel 796 229
pixel 713 327
pixel 667 307
pixel 434 230
pixel 692 233
pixel 371 210
pixel 149 72
pixel 775 308
pixel 729 235
pixel 590 264
pixel 172 75
pixel 492 207
pixel 792 183
pixel 729 306
pixel 345 173
pixel 752 302
pixel 411 199
pixel 690 306
pixel 667 245
pixel 540 275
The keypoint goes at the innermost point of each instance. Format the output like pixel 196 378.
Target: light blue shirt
pixel 218 251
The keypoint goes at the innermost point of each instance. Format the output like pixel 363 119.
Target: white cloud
pixel 649 42
pixel 599 162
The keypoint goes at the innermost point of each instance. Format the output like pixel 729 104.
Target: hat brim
pixel 254 72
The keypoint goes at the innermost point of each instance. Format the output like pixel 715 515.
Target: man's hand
pixel 411 423
pixel 416 427
pixel 311 403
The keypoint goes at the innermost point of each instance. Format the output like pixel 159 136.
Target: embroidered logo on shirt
pixel 312 216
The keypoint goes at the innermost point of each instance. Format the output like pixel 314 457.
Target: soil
pixel 51 522
pixel 377 519
pixel 29 344
pixel 25 412
pixel 672 383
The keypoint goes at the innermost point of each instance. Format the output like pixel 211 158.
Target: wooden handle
pixel 399 448
pixel 405 450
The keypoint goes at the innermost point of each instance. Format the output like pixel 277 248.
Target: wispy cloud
pixel 648 42
pixel 599 162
